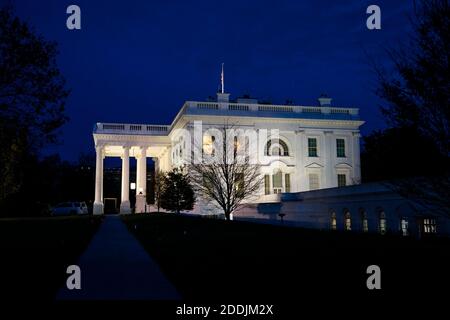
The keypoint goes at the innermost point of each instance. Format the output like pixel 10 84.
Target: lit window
pixel 239 182
pixel 208 145
pixel 365 222
pixel 383 225
pixel 404 226
pixel 342 180
pixel 266 184
pixel 429 225
pixel 313 181
pixel 347 221
pixel 333 221
pixel 312 147
pixel 340 148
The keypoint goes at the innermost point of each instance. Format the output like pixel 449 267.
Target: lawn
pixel 35 253
pixel 215 261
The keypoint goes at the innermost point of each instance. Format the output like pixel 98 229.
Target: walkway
pixel 115 266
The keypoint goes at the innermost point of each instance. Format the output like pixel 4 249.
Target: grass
pixel 212 260
pixel 35 253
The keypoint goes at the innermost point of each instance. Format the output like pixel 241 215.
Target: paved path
pixel 116 266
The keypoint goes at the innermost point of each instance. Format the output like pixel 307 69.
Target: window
pixel 342 180
pixel 208 145
pixel 312 147
pixel 239 182
pixel 333 222
pixel 287 182
pixel 429 225
pixel 383 225
pixel 340 148
pixel 347 221
pixel 313 181
pixel 266 184
pixel 404 226
pixel 277 182
pixel 364 221
pixel 277 147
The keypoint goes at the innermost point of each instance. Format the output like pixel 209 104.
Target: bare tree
pixel 225 175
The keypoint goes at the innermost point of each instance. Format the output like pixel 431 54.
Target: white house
pixel 302 147
pixel 309 157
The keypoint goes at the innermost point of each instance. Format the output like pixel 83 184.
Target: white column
pixel 356 158
pixel 329 155
pixel 98 203
pixel 141 180
pixel 141 174
pixel 298 181
pixel 125 200
pixel 157 166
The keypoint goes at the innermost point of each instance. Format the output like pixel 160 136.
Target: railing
pixel 271 108
pixel 147 129
pixel 210 106
pixel 131 128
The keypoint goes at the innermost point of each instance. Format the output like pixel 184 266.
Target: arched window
pixel 277 147
pixel 333 221
pixel 347 220
pixel 364 221
pixel 382 222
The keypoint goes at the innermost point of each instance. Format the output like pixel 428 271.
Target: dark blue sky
pixel 138 61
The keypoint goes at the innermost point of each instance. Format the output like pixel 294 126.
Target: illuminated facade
pixel 315 147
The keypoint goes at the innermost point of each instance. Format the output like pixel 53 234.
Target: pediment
pixel 342 165
pixel 314 165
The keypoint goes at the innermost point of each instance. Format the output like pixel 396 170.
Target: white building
pixel 306 154
pixel 315 147
pixel 364 208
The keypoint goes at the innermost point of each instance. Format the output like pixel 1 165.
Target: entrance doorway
pixel 111 206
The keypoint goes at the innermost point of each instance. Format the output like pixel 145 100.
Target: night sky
pixel 138 61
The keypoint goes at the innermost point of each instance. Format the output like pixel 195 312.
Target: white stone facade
pixel 316 147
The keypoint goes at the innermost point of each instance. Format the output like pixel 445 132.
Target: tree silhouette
pixel 32 99
pixel 177 193
pixel 418 94
pixel 417 99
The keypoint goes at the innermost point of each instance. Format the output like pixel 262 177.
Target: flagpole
pixel 222 80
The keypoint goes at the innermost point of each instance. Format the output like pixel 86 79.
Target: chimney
pixel 324 100
pixel 223 97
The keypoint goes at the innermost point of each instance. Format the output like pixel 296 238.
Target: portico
pixel 128 141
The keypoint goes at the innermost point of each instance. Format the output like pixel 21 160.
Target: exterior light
pixel 133 186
